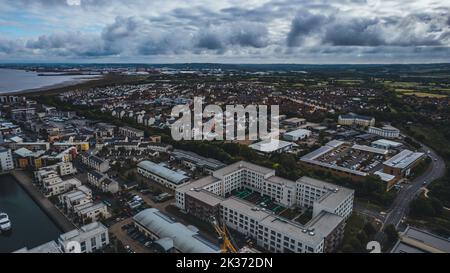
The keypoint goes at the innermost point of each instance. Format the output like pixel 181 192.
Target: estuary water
pixel 14 80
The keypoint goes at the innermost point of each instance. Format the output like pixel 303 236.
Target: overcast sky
pixel 226 31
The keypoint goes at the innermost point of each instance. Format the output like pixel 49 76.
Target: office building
pixel 354 119
pixel 386 131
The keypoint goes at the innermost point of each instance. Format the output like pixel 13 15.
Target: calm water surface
pixel 13 80
pixel 30 225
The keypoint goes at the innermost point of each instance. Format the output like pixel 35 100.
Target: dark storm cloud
pixel 303 25
pixel 274 28
pixel 422 29
pixel 354 32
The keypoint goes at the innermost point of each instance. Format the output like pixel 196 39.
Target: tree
pixel 369 229
pixel 391 234
pixel 421 207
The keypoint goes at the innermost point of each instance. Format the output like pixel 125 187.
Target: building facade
pixel 331 205
pixel 386 131
pixel 6 160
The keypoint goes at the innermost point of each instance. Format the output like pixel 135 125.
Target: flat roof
pixel 271 145
pixel 414 240
pixel 384 176
pixel 298 132
pixel 335 194
pixel 293 120
pixel 205 197
pixel 386 142
pixel 198 184
pixel 50 247
pixel 242 165
pixel 403 159
pixel 281 181
pixel 370 149
pixel 163 172
pixel 84 232
pixel 197 159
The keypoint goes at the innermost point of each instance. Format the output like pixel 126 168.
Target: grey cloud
pixel 422 29
pixel 304 24
pixel 354 32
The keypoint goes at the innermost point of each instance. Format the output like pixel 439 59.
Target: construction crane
pixel 226 246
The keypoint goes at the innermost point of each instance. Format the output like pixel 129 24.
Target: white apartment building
pixel 65 168
pixel 82 195
pixel 386 131
pixel 92 211
pixel 6 160
pixel 90 237
pixel 53 184
pixel 331 206
pixel 62 168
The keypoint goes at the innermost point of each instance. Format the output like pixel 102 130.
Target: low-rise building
pixel 53 184
pixel 414 240
pixel 271 146
pixel 130 132
pixel 354 119
pixel 386 144
pixel 6 160
pixel 185 239
pixel 401 164
pixel 87 239
pixel 92 211
pixel 386 131
pixel 95 162
pixel 293 122
pixel 91 237
pixel 297 135
pixel 103 182
pixel 157 172
pixel 195 161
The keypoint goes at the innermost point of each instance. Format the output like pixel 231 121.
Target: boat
pixel 5 223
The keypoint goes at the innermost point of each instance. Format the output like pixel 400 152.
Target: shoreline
pixel 42 202
pixel 69 83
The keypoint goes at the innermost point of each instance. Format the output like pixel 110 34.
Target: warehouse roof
pixel 271 145
pixel 414 240
pixel 298 133
pixel 198 160
pixel 163 172
pixel 385 142
pixel 369 149
pixel 185 239
pixel 403 159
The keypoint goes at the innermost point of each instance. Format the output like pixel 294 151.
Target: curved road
pixel 400 206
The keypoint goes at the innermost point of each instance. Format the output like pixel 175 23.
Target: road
pixel 400 206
